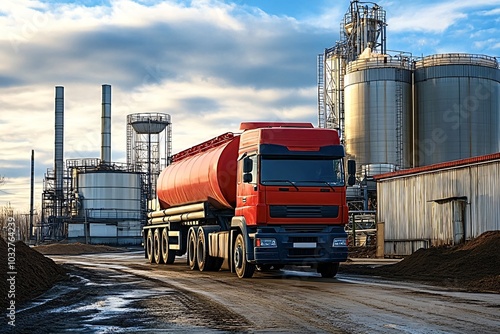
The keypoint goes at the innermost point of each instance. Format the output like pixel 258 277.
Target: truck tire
pixel 149 246
pixel 191 250
pixel 328 270
pixel 241 266
pixel 167 255
pixel 205 261
pixel 157 246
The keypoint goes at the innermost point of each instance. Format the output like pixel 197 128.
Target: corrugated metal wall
pixel 421 210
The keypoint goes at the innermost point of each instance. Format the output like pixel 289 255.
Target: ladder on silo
pixel 321 92
pixel 340 102
pixel 399 117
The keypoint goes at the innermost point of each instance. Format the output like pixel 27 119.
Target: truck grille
pixel 304 211
pixel 297 252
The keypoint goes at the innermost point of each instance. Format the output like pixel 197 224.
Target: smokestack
pixel 59 148
pixel 106 125
pixel 32 192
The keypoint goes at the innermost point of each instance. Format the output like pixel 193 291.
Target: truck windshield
pixel 301 172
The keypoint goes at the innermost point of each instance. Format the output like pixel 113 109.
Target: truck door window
pixel 253 160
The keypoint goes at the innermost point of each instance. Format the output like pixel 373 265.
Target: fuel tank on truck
pixel 206 172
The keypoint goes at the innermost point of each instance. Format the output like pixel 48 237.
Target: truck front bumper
pixel 299 245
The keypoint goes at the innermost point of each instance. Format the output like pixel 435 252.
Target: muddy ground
pixel 472 266
pixel 119 292
pixel 123 293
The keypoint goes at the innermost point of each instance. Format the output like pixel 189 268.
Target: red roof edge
pixel 438 166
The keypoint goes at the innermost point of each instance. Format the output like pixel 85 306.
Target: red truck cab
pixel 291 195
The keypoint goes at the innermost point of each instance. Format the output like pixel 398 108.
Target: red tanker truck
pixel 271 196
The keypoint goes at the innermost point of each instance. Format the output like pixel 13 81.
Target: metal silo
pixel 378 113
pixel 110 194
pixel 112 201
pixel 457 99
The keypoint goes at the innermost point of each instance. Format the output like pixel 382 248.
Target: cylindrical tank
pixel 378 111
pixel 376 169
pixel 206 176
pixel 111 195
pixel 457 99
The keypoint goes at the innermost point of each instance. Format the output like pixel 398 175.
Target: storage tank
pixel 457 107
pixel 378 112
pixel 113 195
pixel 207 175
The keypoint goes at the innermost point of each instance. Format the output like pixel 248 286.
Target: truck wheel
pixel 328 270
pixel 191 251
pixel 156 246
pixel 149 246
pixel 205 261
pixel 242 267
pixel 167 255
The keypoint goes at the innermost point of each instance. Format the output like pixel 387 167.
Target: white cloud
pixel 434 17
pixel 491 12
pixel 437 17
pixel 209 65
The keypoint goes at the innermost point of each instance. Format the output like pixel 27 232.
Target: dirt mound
pixel 35 273
pixel 472 266
pixel 75 249
pixel 362 251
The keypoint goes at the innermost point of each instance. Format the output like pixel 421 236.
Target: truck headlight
pixel 266 242
pixel 339 242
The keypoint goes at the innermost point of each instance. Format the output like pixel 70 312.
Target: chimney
pixel 106 125
pixel 59 149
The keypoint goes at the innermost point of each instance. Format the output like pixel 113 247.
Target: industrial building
pixel 96 200
pixel 441 204
pixel 397 112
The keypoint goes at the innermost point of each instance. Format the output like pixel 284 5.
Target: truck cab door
pixel 247 190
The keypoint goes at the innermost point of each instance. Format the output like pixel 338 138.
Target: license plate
pixel 304 245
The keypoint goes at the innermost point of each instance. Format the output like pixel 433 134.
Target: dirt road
pixel 121 293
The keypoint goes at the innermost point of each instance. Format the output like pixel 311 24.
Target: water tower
pixel 149 146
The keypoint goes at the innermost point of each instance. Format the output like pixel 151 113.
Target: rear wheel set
pixel 157 247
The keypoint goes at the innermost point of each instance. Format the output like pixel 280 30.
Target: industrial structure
pixel 96 200
pixel 440 204
pixel 396 111
pixel 149 141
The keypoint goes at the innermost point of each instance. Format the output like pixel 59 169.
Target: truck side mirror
pixel 351 167
pixel 247 165
pixel 351 171
pixel 247 178
pixel 351 180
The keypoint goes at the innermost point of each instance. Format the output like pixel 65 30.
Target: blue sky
pixel 209 64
